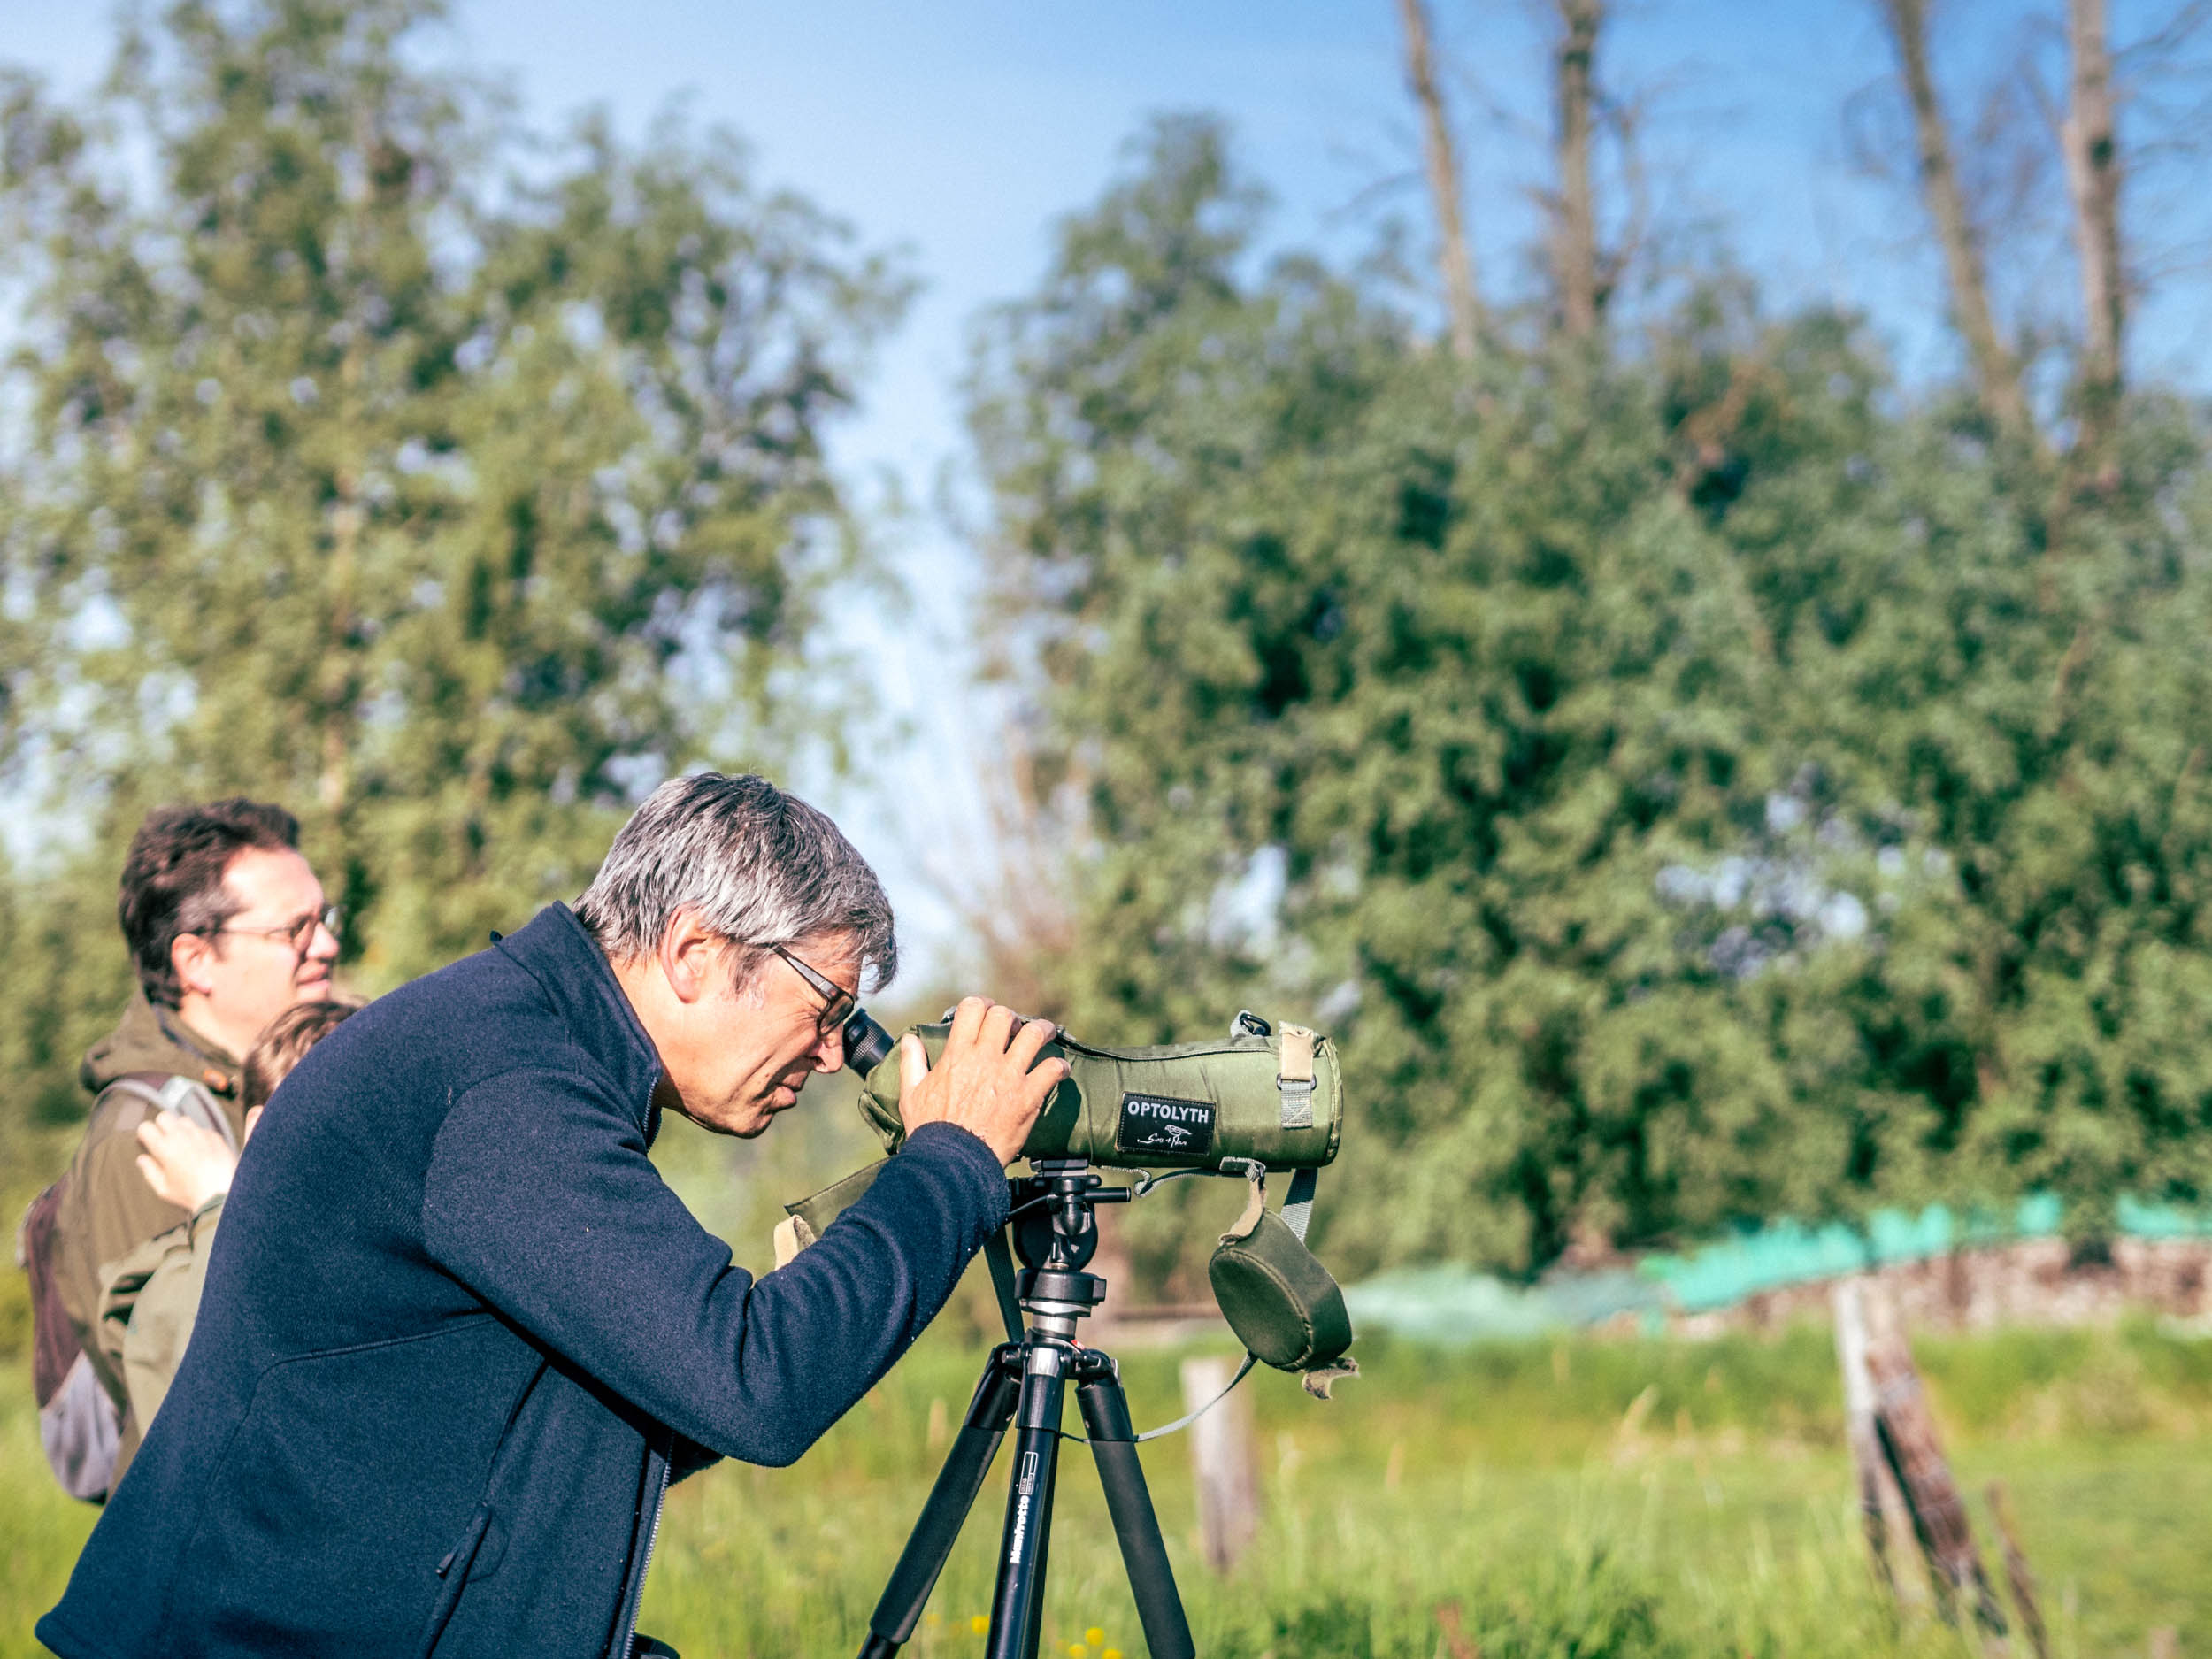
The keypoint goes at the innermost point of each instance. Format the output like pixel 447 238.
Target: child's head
pixel 282 1042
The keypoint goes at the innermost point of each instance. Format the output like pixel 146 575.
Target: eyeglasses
pixel 837 1002
pixel 299 935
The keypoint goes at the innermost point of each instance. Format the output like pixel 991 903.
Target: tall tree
pixel 1577 272
pixel 2089 141
pixel 1454 255
pixel 450 508
pixel 1996 370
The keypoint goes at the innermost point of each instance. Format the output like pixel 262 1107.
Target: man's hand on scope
pixel 988 1079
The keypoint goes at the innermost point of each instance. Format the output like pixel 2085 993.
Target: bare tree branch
pixel 1455 258
pixel 2180 29
pixel 1613 264
pixel 1996 372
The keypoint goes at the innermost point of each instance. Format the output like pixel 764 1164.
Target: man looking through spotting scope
pixel 457 1334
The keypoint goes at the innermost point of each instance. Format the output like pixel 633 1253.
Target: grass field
pixel 1581 1500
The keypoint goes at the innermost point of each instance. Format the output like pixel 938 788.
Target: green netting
pixel 1458 1304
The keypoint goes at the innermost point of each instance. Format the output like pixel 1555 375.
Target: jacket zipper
pixel 636 1596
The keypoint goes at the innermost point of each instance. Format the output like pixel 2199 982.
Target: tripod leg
pixel 1042 1549
pixel 1016 1604
pixel 1113 1446
pixel 949 1501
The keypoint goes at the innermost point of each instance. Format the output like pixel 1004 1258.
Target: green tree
pixel 2034 697
pixel 449 500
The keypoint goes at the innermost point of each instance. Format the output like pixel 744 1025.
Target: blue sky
pixel 960 129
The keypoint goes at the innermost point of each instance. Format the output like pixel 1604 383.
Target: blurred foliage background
pixel 1699 780
pixel 1697 774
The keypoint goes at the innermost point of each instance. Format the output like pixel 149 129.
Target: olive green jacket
pixel 107 1211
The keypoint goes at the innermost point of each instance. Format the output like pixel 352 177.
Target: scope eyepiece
pixel 867 1045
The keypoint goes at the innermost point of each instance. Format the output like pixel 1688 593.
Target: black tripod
pixel 1025 1382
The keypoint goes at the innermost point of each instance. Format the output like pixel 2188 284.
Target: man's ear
pixel 192 959
pixel 693 957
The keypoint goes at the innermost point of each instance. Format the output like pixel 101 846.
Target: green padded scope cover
pixel 1282 1304
pixel 1188 1104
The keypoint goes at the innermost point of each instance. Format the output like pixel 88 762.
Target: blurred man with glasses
pixel 227 927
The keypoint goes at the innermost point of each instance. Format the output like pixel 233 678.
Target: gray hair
pixel 759 867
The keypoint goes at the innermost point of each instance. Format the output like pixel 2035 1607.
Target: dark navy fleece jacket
pixel 457 1334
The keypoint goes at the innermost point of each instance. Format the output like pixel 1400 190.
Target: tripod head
pixel 1055 1233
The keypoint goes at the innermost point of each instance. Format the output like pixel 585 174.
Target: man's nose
pixel 829 1053
pixel 322 945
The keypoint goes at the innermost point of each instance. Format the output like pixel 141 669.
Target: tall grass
pixel 1578 1500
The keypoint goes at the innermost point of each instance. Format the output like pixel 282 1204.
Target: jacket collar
pixel 556 951
pixel 151 1039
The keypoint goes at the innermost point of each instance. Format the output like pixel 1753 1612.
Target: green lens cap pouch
pixel 1281 1301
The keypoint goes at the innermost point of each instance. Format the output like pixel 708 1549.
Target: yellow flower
pixel 1094 1636
pixel 978 1625
pixel 1077 1650
pixel 1111 1653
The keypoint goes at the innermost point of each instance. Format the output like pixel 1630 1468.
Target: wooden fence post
pixel 1914 1455
pixel 1223 1461
pixel 1877 1486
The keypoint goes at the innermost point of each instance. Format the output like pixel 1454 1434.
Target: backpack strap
pixel 174 1093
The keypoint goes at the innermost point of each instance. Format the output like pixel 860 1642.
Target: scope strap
pixel 1298 1202
pixel 1294 1077
pixel 1189 1417
pixel 1001 1259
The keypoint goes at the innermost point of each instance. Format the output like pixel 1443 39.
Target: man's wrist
pixel 972 1160
pixel 938 1128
